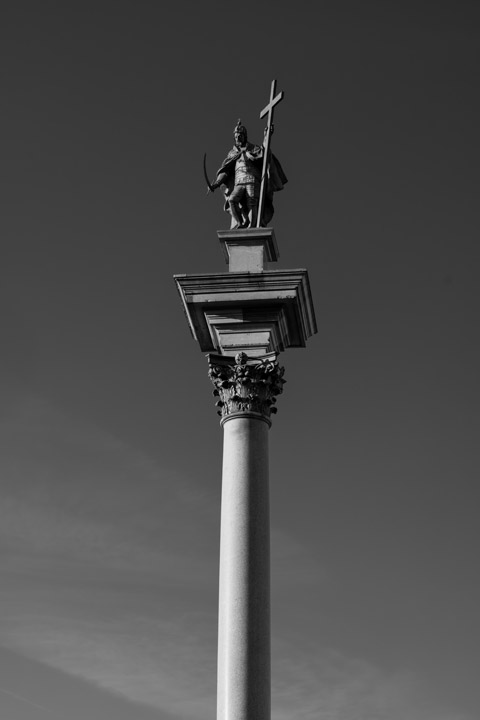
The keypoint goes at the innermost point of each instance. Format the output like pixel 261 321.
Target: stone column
pixel 247 391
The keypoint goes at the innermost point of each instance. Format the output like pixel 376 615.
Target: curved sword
pixel 209 184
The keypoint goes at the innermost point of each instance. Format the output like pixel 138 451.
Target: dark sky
pixel 110 457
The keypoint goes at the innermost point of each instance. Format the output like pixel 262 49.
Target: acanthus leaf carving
pixel 245 384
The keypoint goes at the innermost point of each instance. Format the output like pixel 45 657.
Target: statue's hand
pixel 266 130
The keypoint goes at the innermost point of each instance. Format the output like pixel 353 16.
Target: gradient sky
pixel 110 458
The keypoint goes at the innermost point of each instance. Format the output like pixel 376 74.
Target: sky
pixel 110 458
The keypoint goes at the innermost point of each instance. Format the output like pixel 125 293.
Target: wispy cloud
pixel 23 699
pixel 313 683
pixel 73 491
pixel 166 665
pixel 294 565
pixel 97 575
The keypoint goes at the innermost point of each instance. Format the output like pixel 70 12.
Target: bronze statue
pixel 250 175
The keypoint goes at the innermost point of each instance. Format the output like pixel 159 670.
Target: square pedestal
pixel 248 250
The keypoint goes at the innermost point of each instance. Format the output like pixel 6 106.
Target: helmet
pixel 240 128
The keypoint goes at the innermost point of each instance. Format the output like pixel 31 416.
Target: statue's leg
pixel 252 195
pixel 234 202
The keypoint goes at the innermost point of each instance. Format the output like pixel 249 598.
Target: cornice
pixel 286 293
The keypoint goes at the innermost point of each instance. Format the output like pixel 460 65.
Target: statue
pixel 250 175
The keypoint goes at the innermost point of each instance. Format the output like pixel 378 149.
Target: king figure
pixel 241 176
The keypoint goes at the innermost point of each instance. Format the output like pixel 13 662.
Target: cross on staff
pixel 267 109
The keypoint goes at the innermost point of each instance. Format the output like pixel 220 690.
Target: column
pixel 247 391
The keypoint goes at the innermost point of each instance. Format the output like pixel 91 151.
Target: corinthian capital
pixel 245 384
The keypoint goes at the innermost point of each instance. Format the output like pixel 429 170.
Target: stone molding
pixel 283 296
pixel 245 385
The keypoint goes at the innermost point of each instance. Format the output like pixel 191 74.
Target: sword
pixel 209 184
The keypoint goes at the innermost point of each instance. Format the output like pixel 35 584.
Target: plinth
pixel 243 319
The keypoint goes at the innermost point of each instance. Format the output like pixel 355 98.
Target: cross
pixel 267 109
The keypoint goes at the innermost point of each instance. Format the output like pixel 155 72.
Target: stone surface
pixel 248 250
pixel 276 302
pixel 255 331
pixel 243 682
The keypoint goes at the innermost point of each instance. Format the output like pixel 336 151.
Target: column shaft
pixel 243 691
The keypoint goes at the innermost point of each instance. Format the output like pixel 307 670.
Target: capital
pixel 246 385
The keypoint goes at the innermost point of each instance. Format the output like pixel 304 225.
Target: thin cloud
pixel 96 572
pixel 312 683
pixel 166 665
pixel 23 699
pixel 71 491
pixel 293 564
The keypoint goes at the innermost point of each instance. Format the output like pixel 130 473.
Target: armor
pixel 246 171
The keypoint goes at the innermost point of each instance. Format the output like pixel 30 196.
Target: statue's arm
pixel 221 179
